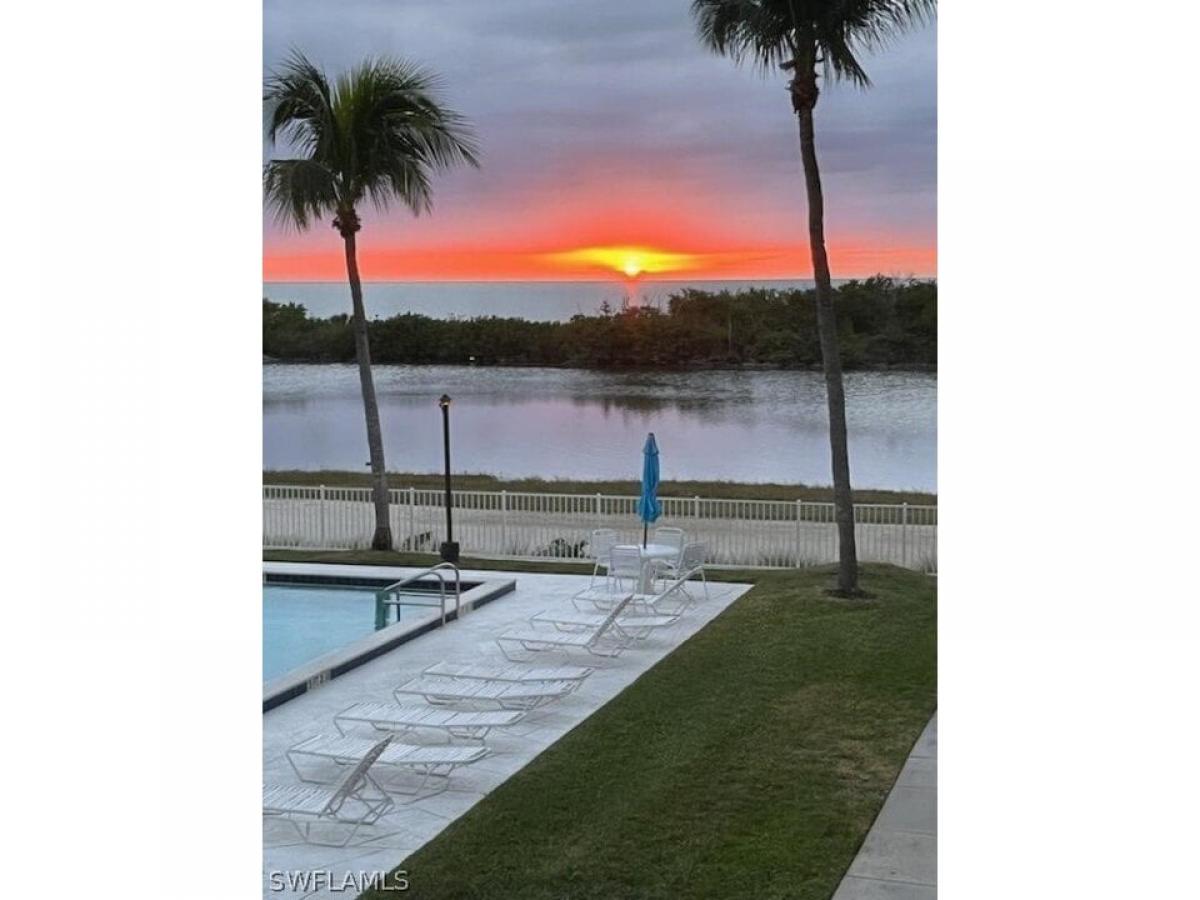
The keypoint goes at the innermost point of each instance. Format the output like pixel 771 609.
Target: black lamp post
pixel 449 546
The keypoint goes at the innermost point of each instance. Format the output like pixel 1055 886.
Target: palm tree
pixel 378 133
pixel 807 38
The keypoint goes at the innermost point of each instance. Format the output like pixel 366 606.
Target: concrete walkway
pixel 898 860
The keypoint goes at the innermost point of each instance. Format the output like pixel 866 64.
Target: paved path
pixel 898 860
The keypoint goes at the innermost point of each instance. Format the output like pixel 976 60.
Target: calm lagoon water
pixel 556 423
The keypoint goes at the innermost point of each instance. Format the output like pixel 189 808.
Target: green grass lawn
pixel 748 763
pixel 716 490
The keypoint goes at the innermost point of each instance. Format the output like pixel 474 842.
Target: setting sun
pixel 628 261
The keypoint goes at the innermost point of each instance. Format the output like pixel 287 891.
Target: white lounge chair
pixel 427 762
pixel 401 718
pixel 513 672
pixel 640 626
pixel 669 602
pixel 355 801
pixel 606 639
pixel 492 694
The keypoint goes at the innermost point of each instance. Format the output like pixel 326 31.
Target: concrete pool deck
pixel 471 639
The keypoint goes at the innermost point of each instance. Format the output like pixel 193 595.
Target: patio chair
pixel 355 801
pixel 689 564
pixel 430 763
pixel 606 639
pixel 602 542
pixel 669 536
pixel 491 694
pixel 401 718
pixel 515 673
pixel 625 576
pixel 625 564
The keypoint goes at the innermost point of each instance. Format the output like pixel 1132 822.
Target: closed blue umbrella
pixel 648 507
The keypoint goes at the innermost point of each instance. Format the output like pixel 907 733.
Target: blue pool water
pixel 302 622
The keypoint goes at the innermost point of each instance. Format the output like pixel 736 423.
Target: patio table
pixel 648 553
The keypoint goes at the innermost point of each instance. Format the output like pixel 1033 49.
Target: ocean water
pixel 545 301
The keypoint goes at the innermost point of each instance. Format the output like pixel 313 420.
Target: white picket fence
pixel 537 526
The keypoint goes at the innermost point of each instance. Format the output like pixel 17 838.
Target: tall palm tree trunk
pixel 804 96
pixel 382 539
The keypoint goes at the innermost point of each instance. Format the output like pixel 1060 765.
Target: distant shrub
pixel 561 548
pixel 881 322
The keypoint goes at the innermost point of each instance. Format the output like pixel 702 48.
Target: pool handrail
pixel 436 571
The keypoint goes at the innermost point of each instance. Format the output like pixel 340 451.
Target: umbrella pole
pixel 645 533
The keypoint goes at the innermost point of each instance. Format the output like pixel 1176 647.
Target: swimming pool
pixel 304 621
pixel 321 621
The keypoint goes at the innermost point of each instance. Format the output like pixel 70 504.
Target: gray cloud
pixel 569 91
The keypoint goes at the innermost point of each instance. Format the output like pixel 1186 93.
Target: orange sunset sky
pixel 615 147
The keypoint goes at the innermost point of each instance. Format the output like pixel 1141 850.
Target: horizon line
pixel 612 281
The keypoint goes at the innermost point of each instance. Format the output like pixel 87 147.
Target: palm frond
pixel 297 191
pixel 398 132
pixel 873 23
pixel 754 30
pixel 300 106
pixel 839 61
pixel 379 132
pixel 770 32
